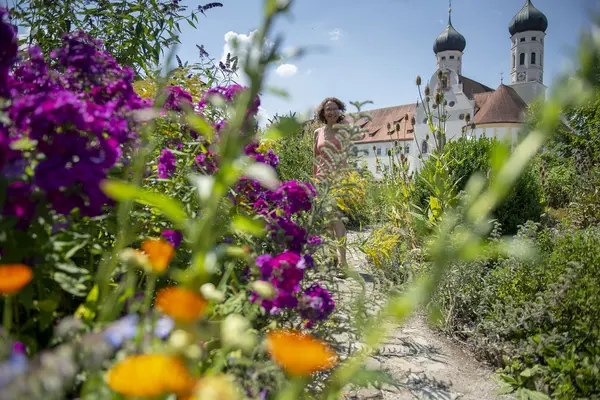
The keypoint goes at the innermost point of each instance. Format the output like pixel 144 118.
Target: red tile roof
pixel 390 123
pixel 504 105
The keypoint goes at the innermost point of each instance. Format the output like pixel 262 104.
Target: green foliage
pixel 469 156
pixel 296 153
pixel 536 315
pixel 136 33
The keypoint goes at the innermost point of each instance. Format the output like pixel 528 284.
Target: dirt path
pixel 425 364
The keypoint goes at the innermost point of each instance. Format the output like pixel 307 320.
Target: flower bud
pixel 179 340
pixel 468 117
pixel 135 258
pixel 427 91
pixel 217 387
pixel 438 97
pixel 210 292
pixel 264 289
pixel 236 334
pixel 418 80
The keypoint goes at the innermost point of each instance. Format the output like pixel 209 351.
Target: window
pixel 379 151
pixel 452 57
pixel 513 65
pixel 532 58
pixel 461 116
pixel 451 104
pixel 522 39
pixel 533 39
pixel 522 59
pixel 406 149
pixel 409 131
pixel 424 148
pixel 443 57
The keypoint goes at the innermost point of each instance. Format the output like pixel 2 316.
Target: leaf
pixel 505 389
pixel 253 226
pixel 533 395
pixel 75 249
pixel 204 184
pixel 264 174
pixel 198 124
pixel 122 191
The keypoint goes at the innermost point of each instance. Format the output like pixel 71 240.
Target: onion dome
pixel 450 39
pixel 528 19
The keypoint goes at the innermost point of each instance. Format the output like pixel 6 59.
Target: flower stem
pixel 7 320
pixel 149 293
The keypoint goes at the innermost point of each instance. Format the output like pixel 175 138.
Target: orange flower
pixel 14 277
pixel 300 354
pixel 159 252
pixel 181 304
pixel 150 375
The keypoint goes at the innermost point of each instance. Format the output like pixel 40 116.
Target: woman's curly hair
pixel 321 109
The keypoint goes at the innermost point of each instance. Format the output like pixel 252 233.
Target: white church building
pixel 495 113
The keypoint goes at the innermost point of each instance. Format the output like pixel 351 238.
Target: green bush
pixel 538 319
pixel 559 180
pixel 468 156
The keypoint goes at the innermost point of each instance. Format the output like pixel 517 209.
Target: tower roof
pixel 450 39
pixel 528 19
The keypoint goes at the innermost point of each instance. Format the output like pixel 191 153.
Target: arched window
pixel 522 59
pixel 513 58
pixel 424 148
pixel 533 58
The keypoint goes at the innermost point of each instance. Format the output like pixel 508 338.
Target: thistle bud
pixel 439 74
pixel 438 98
pixel 413 120
pixel 418 80
pixel 427 90
pixel 468 117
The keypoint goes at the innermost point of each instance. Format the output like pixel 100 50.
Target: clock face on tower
pixel 521 76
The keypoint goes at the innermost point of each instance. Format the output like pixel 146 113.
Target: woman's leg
pixel 339 230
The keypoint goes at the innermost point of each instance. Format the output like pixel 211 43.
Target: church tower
pixel 527 30
pixel 449 47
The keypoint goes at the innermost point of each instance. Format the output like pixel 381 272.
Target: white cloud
pixel 262 117
pixel 244 49
pixel 286 70
pixel 335 34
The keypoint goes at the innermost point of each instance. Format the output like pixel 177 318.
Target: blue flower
pixel 123 329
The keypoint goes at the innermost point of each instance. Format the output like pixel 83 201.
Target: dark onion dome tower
pixel 449 47
pixel 528 19
pixel 527 32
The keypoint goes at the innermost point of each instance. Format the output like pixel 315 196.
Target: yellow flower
pixel 300 354
pixel 159 252
pixel 150 375
pixel 181 304
pixel 14 277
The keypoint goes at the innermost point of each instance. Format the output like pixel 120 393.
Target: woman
pixel 327 150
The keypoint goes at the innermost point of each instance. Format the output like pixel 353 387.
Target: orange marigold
pixel 159 252
pixel 150 375
pixel 181 304
pixel 14 277
pixel 299 354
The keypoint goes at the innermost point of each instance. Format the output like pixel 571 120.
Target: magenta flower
pixel 173 237
pixel 166 164
pixel 176 96
pixel 316 303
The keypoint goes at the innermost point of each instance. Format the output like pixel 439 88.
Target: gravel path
pixel 425 364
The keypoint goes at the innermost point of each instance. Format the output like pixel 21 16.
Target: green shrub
pixel 468 156
pixel 538 319
pixel 559 179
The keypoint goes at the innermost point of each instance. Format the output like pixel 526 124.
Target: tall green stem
pixel 7 320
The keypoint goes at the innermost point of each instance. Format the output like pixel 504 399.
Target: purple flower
pixel 173 237
pixel 294 196
pixel 314 240
pixel 176 96
pixel 207 162
pixel 228 93
pixel 316 303
pixel 121 330
pixel 291 234
pixel 8 50
pixel 166 164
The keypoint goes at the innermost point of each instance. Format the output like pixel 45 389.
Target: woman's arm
pixel 316 141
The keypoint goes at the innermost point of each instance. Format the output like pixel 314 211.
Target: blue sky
pixel 381 45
